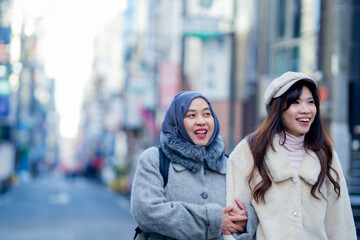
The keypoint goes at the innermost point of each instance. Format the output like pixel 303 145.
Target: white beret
pixel 281 84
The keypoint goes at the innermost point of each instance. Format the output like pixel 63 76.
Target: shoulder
pixel 335 159
pixel 150 151
pixel 149 157
pixel 241 156
pixel 147 170
pixel 242 148
pixel 336 164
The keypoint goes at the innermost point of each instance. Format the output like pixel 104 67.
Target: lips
pixel 200 132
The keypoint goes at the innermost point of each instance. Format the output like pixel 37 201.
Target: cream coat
pixel 290 211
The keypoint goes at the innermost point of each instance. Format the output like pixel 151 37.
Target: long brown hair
pixel 317 140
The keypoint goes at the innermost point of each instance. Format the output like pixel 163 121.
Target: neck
pixel 295 150
pixel 293 143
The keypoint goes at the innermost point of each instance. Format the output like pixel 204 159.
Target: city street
pixel 55 208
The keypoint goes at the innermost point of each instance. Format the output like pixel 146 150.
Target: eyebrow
pixel 193 110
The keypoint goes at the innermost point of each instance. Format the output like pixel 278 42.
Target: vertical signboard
pixel 169 82
pixel 215 72
pixel 4 90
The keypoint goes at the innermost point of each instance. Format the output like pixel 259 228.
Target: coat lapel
pixel 280 168
pixel 310 168
pixel 278 163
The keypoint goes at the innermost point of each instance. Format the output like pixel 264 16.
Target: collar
pixel 280 168
pixel 193 157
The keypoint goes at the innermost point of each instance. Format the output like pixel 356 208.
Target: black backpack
pixel 164 170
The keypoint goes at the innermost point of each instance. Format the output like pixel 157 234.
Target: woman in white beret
pixel 288 168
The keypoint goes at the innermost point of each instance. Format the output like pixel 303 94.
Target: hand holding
pixel 231 220
pixel 241 211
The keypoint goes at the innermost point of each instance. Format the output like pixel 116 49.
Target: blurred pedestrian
pixel 288 168
pixel 192 204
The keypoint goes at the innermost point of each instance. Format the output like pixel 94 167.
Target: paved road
pixel 53 208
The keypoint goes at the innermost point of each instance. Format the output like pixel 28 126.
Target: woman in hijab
pixel 192 204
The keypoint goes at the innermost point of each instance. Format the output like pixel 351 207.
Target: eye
pixel 207 114
pixel 190 115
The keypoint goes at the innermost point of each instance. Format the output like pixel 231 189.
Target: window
pixel 285 60
pixel 288 20
pixel 285 40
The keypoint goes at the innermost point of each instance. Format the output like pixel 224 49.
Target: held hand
pixel 238 211
pixel 241 211
pixel 231 218
pixel 240 204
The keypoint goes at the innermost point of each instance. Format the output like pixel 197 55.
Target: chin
pixel 303 133
pixel 201 143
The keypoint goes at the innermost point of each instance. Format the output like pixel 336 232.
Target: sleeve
pixel 239 167
pixel 176 219
pixel 339 221
pixel 251 224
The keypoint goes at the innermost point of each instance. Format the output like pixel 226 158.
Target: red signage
pixel 4 53
pixel 169 79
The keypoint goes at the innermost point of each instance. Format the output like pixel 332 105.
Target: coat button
pixel 295 214
pixel 204 195
pixel 293 180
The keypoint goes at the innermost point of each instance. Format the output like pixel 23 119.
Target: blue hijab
pixel 174 118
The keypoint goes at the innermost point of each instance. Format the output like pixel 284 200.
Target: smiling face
pixel 298 118
pixel 199 122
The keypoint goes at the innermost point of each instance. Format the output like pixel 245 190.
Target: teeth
pixel 304 119
pixel 200 132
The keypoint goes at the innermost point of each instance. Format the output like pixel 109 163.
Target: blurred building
pixel 100 136
pixel 118 120
pixel 7 147
pixel 209 60
pixel 28 119
pixel 143 58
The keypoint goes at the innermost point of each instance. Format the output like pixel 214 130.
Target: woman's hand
pixel 241 211
pixel 232 217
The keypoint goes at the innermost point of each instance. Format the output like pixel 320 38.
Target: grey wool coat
pixel 190 206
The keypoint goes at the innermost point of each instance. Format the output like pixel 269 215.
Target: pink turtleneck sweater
pixel 294 150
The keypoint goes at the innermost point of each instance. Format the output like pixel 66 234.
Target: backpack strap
pixel 137 232
pixel 164 170
pixel 164 165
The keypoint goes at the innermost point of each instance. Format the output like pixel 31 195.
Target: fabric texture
pixel 290 211
pixel 193 157
pixel 295 150
pixel 190 206
pixel 281 84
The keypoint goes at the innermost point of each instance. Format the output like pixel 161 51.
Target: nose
pixel 200 120
pixel 304 108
